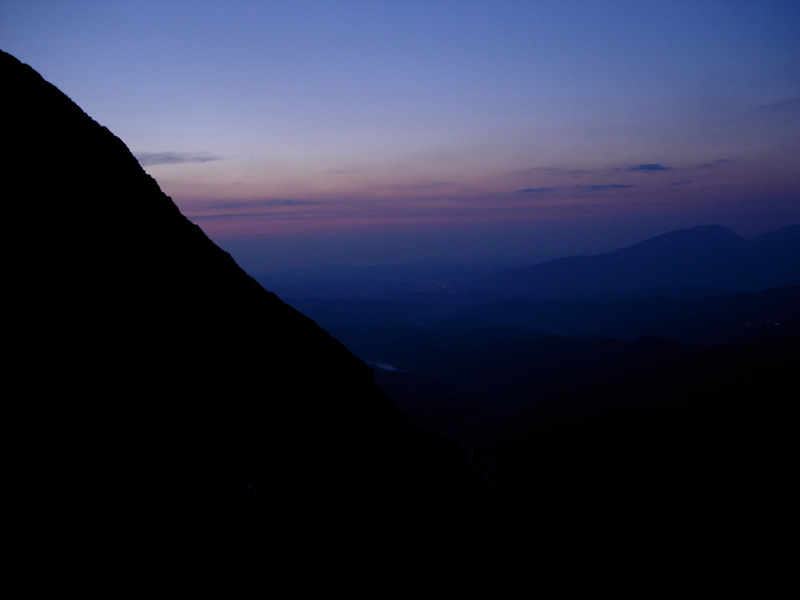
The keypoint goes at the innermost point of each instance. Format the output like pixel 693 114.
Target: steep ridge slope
pixel 157 371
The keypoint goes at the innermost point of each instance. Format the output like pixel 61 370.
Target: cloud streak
pixel 603 188
pixel 172 158
pixel 260 203
pixel 536 190
pixel 650 167
pixel 717 163
pixel 418 187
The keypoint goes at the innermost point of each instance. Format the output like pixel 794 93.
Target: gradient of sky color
pixel 310 132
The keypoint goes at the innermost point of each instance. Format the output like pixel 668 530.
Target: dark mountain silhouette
pixel 160 389
pixel 709 256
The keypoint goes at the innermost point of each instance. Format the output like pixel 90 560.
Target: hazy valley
pixel 637 386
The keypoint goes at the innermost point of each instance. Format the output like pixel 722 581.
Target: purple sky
pixel 380 131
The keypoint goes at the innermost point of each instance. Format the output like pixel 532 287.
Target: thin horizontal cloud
pixel 573 173
pixel 603 188
pixel 245 216
pixel 536 190
pixel 266 202
pixel 258 203
pixel 173 158
pixel 716 163
pixel 418 187
pixel 650 167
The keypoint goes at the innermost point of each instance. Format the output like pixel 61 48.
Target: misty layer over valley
pixel 508 335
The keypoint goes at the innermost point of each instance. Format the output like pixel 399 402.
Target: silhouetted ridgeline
pixel 161 386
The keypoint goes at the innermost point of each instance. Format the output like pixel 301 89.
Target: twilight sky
pixel 325 132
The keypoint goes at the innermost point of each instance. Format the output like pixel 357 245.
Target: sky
pixel 348 132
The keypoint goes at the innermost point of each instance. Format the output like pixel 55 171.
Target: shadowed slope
pixel 160 367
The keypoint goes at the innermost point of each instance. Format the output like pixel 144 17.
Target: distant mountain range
pixel 708 256
pixel 684 263
pixel 704 285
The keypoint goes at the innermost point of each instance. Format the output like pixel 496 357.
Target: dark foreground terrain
pixel 162 393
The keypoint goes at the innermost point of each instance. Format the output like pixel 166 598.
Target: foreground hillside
pixel 171 393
